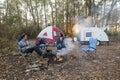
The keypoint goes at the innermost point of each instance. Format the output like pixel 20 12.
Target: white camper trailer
pixel 87 32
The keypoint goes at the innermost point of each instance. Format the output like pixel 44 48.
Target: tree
pixel 31 15
pixel 109 13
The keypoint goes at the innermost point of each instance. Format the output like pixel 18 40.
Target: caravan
pixel 87 32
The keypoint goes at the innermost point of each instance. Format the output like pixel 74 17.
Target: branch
pixel 109 13
pixel 101 2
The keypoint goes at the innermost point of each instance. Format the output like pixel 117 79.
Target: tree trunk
pixel 78 9
pixel 37 25
pixel 26 19
pixel 32 12
pixel 52 12
pixel 56 12
pixel 67 13
pixel 74 7
pixel 45 13
pixel 0 17
pixel 18 13
pixel 6 10
pixel 109 13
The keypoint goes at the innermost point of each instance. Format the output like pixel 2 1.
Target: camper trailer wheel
pixel 98 43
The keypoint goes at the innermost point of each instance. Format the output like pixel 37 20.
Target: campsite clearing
pixel 105 66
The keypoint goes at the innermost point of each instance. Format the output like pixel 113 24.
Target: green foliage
pixel 31 31
pixel 113 36
pixel 112 33
pixel 7 45
pixel 8 39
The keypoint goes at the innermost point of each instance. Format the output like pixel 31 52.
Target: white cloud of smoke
pixel 81 23
pixel 69 47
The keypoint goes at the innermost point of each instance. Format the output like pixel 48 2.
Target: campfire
pixel 59 59
pixel 75 30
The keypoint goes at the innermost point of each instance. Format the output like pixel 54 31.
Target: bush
pixel 7 45
pixel 115 33
pixel 114 36
pixel 112 33
pixel 118 37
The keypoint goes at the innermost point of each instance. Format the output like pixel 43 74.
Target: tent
pixel 51 34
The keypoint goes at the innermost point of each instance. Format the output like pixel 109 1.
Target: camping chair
pixel 91 47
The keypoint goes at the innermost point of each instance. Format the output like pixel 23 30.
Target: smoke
pixel 69 44
pixel 81 23
pixel 88 22
pixel 69 47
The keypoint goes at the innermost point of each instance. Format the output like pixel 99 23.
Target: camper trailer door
pixel 87 35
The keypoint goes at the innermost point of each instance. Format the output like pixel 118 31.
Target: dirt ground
pixel 105 65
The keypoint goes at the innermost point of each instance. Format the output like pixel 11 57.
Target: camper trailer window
pixel 88 34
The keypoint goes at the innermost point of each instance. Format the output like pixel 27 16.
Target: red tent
pixel 51 34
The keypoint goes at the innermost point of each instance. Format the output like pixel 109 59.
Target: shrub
pixel 114 36
pixel 7 45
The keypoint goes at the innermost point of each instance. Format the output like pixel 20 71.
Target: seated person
pixel 60 43
pixel 25 47
pixel 40 41
pixel 41 44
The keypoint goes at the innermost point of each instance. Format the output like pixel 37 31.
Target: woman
pixel 25 47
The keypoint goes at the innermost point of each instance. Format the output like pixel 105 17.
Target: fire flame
pixel 75 30
pixel 59 59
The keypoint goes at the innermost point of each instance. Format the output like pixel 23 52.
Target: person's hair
pixel 23 35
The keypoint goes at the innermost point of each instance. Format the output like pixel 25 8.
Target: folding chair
pixel 91 47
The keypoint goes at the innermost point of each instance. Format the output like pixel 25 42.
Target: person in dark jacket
pixel 26 47
pixel 60 43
